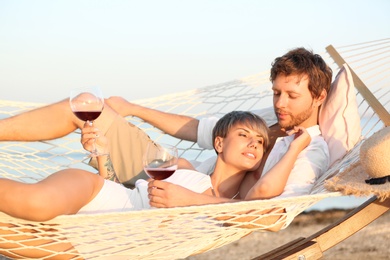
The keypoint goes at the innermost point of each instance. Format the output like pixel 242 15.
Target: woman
pixel 240 140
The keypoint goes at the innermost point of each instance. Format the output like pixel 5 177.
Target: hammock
pixel 178 232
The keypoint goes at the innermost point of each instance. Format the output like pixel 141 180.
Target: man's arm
pixel 106 168
pixel 183 127
pixel 92 138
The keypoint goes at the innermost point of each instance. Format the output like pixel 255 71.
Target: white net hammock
pixel 177 232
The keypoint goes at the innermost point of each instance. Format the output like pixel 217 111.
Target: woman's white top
pixel 114 197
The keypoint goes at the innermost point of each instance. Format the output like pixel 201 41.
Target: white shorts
pixel 114 197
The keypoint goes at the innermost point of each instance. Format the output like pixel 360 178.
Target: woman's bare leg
pixel 62 193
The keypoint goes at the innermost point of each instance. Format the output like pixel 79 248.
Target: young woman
pixel 240 140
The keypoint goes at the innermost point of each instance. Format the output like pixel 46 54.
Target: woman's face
pixel 242 147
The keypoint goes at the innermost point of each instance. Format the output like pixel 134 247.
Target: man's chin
pixel 285 127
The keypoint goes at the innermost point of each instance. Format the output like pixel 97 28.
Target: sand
pixel 372 242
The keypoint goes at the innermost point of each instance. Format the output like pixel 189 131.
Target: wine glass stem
pixel 94 150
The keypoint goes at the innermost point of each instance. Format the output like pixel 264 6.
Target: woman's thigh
pixel 67 191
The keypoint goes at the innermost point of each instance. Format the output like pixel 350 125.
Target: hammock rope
pixel 175 232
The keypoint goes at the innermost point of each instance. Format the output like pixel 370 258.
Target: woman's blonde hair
pixel 246 118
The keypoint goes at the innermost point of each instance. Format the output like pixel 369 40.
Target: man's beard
pixel 295 120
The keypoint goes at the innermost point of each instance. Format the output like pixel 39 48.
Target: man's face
pixel 293 102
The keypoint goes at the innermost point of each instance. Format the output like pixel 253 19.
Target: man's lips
pixel 282 115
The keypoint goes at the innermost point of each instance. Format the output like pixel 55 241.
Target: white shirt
pixel 311 163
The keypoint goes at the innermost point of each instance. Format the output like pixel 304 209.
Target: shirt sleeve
pixel 205 132
pixel 310 165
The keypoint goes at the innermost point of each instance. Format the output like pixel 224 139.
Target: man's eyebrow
pixel 288 91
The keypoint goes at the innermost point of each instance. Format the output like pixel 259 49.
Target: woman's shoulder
pixel 190 179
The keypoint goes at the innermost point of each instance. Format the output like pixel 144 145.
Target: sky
pixel 142 49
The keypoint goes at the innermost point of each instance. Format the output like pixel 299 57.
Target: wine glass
pixel 160 160
pixel 87 104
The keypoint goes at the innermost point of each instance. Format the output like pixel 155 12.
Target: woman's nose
pixel 253 144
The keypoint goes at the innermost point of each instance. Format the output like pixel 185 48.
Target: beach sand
pixel 372 242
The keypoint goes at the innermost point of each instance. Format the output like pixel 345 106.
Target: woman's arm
pixel 274 181
pixel 166 195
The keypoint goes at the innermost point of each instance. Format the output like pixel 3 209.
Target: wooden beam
pixel 361 87
pixel 313 246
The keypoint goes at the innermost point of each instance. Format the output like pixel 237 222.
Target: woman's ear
pixel 218 144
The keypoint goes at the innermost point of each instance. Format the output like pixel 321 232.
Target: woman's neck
pixel 226 181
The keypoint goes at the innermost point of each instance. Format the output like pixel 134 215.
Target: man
pixel 300 80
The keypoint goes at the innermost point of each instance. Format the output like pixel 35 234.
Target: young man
pixel 300 80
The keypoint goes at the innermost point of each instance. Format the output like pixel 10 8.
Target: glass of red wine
pixel 160 160
pixel 87 104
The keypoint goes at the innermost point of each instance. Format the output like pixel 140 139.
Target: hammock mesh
pixel 177 232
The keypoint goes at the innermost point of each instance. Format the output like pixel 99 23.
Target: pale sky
pixel 141 49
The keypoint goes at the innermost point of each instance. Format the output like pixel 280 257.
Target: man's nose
pixel 280 101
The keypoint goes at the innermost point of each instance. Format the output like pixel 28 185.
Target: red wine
pixel 87 115
pixel 159 173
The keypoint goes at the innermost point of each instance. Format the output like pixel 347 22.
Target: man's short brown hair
pixel 304 63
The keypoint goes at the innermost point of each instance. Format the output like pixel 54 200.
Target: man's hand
pixel 91 135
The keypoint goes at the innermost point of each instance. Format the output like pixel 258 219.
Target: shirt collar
pixel 314 131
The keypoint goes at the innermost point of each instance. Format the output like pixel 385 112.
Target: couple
pixel 300 80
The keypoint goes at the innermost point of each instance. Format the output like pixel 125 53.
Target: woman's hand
pixel 302 138
pixel 163 194
pixel 91 134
